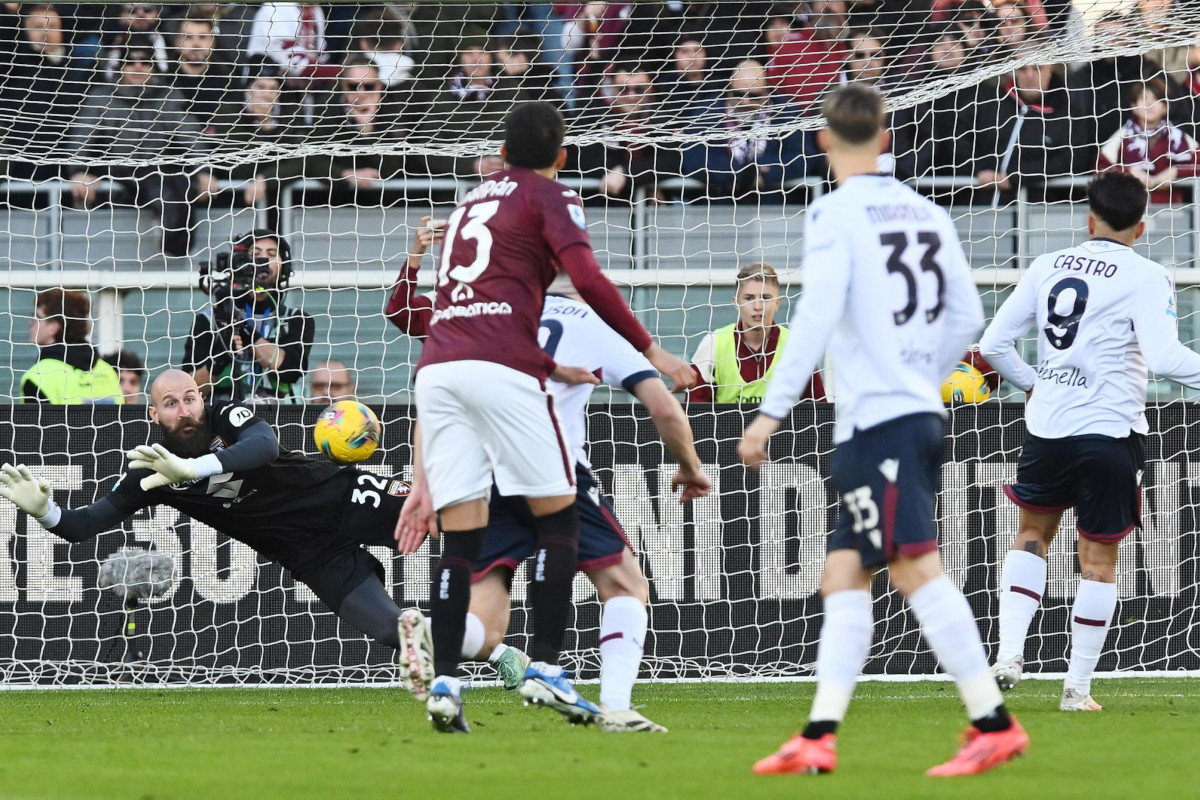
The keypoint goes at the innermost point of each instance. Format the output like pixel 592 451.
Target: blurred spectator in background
pixel 131 371
pixel 1102 85
pixel 472 105
pixel 68 370
pixel 517 69
pixel 41 89
pixel 623 164
pixel 331 381
pixel 775 30
pixel 747 159
pixel 140 118
pixel 867 60
pixel 940 137
pixel 252 347
pixel 1160 20
pixel 361 115
pixel 733 364
pixel 970 18
pixel 690 87
pixel 1029 137
pixel 265 118
pixel 384 35
pixel 591 32
pixel 1034 10
pixel 206 83
pixel 810 58
pixel 134 21
pixel 1148 146
pixel 1010 31
pixel 293 36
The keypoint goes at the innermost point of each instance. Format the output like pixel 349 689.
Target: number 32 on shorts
pixel 369 496
pixel 862 508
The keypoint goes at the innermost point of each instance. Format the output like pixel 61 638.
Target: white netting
pixel 136 140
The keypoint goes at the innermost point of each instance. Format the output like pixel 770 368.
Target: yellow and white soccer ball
pixel 965 385
pixel 347 432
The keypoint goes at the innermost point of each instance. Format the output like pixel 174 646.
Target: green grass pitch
pixel 368 743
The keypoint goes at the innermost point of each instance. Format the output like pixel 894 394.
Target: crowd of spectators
pixel 181 87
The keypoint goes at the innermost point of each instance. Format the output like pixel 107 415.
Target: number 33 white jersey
pixel 885 276
pixel 1102 314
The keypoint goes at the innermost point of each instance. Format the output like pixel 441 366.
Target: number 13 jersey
pixel 499 256
pixel 1100 312
pixel 886 278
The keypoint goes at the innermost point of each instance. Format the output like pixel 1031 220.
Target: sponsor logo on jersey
pixel 472 310
pixel 577 216
pixel 1063 377
pixel 1171 312
pixel 239 416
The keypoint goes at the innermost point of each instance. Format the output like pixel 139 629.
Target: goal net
pixel 138 141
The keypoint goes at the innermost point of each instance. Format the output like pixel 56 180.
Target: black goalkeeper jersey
pixel 276 508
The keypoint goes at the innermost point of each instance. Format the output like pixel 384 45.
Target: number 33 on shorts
pixel 862 508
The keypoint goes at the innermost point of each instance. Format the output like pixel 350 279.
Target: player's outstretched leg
pixel 949 627
pixel 842 651
pixel 552 573
pixel 1091 615
pixel 1022 584
pixel 415 653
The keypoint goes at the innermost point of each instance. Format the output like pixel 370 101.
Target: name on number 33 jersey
pixel 499 256
pixel 885 277
pixel 1100 312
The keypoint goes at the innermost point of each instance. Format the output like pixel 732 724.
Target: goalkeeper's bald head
pixel 177 406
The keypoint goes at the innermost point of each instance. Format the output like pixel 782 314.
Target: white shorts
pixel 482 421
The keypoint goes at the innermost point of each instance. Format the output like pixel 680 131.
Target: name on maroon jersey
pixel 501 188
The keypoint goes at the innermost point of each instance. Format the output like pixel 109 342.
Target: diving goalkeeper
pixel 222 466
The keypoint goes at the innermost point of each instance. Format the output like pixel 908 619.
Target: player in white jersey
pixel 885 277
pixel 1103 316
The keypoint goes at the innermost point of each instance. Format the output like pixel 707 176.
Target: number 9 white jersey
pixel 1100 313
pixel 885 275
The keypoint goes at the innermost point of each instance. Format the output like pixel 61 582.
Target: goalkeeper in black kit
pixel 222 466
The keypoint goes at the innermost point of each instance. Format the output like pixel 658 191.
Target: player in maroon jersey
pixel 483 407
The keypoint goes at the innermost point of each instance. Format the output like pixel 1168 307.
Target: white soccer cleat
pixel 415 656
pixel 627 721
pixel 1008 673
pixel 1073 700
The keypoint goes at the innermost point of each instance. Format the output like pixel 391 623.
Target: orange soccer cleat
pixel 800 756
pixel 983 751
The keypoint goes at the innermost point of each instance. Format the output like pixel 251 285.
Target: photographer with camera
pixel 246 345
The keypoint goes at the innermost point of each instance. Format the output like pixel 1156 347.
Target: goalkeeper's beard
pixel 188 440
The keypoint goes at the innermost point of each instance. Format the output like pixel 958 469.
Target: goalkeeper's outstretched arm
pixel 33 496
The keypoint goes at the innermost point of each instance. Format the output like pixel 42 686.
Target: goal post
pixel 137 140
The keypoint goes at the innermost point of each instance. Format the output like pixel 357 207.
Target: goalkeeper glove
pixel 169 468
pixel 30 494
